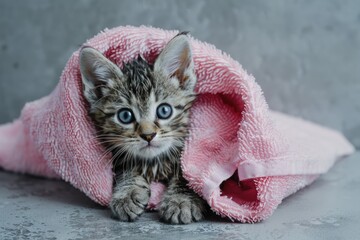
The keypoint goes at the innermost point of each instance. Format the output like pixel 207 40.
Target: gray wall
pixel 304 54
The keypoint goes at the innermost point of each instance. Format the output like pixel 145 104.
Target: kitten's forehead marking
pixel 143 108
pixel 150 113
pixel 147 107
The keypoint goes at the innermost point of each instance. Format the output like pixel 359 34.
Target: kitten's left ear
pixel 98 73
pixel 175 61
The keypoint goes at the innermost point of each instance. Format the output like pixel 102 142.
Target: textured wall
pixel 304 54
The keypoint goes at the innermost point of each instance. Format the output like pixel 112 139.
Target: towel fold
pixel 240 157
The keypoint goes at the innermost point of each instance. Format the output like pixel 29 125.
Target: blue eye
pixel 164 111
pixel 125 116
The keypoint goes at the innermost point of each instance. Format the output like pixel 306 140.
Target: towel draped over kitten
pixel 242 158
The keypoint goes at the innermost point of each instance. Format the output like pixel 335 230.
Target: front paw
pixel 181 209
pixel 128 205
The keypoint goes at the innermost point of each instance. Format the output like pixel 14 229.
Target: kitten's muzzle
pixel 148 137
pixel 147 130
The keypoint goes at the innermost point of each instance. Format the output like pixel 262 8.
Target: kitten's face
pixel 141 111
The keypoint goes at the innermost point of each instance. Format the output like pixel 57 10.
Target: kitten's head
pixel 141 110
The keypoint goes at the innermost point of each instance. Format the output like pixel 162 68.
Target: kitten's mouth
pixel 152 149
pixel 150 146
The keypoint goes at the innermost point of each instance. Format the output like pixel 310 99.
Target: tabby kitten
pixel 141 113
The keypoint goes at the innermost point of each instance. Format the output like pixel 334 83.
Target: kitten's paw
pixel 127 206
pixel 181 209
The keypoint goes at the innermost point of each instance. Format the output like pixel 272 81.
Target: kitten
pixel 141 113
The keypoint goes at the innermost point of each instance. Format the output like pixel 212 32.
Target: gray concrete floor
pixel 37 208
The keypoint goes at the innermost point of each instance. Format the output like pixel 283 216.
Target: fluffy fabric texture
pixel 240 157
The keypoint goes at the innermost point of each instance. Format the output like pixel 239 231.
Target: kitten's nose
pixel 148 137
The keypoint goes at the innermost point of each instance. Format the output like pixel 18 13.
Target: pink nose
pixel 148 137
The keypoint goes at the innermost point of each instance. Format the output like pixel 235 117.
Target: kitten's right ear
pixel 176 61
pixel 98 73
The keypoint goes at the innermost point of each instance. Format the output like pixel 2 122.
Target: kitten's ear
pixel 98 73
pixel 175 61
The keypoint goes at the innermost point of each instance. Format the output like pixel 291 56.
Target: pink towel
pixel 240 157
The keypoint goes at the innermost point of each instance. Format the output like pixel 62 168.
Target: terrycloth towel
pixel 240 157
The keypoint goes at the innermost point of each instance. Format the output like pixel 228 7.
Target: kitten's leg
pixel 180 204
pixel 130 197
